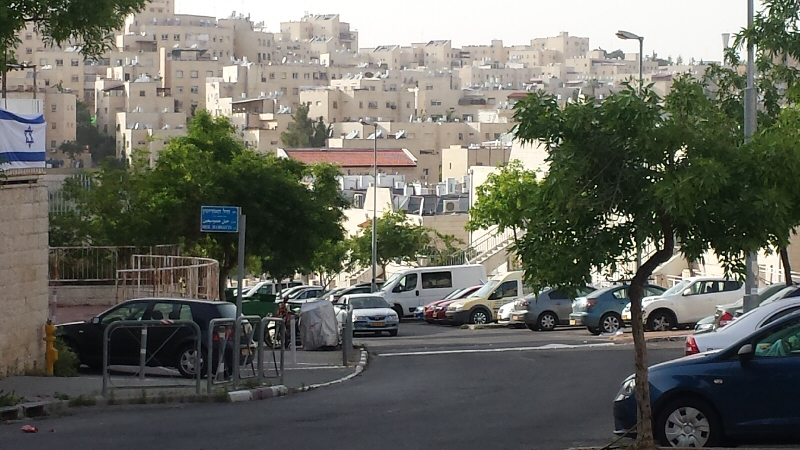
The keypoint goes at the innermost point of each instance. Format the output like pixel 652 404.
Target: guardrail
pixel 144 325
pixel 76 265
pixel 168 276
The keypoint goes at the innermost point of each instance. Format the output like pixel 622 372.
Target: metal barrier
pixel 143 360
pixel 219 375
pixel 347 335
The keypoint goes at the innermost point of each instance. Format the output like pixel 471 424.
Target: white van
pixel 410 288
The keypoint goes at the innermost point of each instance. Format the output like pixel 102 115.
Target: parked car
pixel 418 286
pixel 481 306
pixel 547 310
pixel 360 288
pixel 332 295
pixel 727 312
pixel 167 346
pixel 741 392
pixel 428 310
pixel 307 293
pixel 287 293
pixel 268 288
pixel 370 313
pixel 747 323
pixel 686 302
pixel 601 311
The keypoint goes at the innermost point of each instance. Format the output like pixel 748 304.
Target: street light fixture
pixel 626 35
pixel 374 286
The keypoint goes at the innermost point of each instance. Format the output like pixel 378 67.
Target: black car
pixel 167 346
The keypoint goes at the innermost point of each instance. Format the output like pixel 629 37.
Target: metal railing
pixel 484 246
pixel 77 265
pixel 168 276
pixel 144 360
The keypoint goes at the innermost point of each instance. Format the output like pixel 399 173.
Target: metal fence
pixel 168 276
pixel 80 265
pixel 131 331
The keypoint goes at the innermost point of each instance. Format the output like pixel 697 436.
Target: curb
pixel 263 393
pixel 30 410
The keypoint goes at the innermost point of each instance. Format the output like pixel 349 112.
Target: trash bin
pixel 261 305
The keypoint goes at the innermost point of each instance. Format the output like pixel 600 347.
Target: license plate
pixel 573 322
pixel 378 324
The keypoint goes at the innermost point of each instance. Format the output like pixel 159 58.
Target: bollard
pixel 51 354
pixel 293 341
pixel 143 353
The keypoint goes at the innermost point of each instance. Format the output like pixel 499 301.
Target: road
pixel 431 387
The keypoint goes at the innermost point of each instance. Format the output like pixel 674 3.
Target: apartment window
pixel 284 90
pixel 436 103
pixel 388 104
pixel 295 75
pixel 307 76
pixel 319 103
pixel 43 62
pixel 75 79
pixel 28 37
pixel 361 105
pixel 295 91
pixel 59 62
pixel 178 74
pixel 52 108
pixel 74 63
pixel 176 37
pixel 193 74
pixel 263 79
pixel 28 51
pixel 272 77
pixel 408 105
pixel 53 147
pixel 283 76
pixel 195 90
pixel 164 37
pixel 460 138
pixel 487 138
pixel 496 137
pixel 373 105
pixel 335 105
pixel 53 125
pixel 209 73
pixel 428 87
pixel 179 89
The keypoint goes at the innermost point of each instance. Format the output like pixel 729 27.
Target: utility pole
pixel 751 259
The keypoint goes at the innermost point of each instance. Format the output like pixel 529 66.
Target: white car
pixel 744 325
pixel 687 302
pixel 370 312
pixel 505 315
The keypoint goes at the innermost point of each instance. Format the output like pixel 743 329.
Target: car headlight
pixel 456 307
pixel 392 318
pixel 627 389
pixel 359 318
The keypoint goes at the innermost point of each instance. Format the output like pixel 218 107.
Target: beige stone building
pixel 322 26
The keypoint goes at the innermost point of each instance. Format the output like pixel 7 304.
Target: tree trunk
pixel 225 266
pixel 644 429
pixel 787 266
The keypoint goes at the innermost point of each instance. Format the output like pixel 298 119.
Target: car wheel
pixel 479 317
pixel 393 333
pixel 660 321
pixel 399 310
pixel 547 321
pixel 532 326
pixel 594 331
pixel 610 323
pixel 688 422
pixel 188 361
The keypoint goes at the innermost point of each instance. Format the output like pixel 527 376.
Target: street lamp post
pixel 750 124
pixel 625 35
pixel 374 286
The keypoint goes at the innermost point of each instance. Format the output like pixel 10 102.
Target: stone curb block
pixel 240 396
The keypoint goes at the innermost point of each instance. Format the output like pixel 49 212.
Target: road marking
pixel 500 350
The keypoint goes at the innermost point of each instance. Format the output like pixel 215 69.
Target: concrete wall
pixel 85 295
pixel 23 276
pixel 449 224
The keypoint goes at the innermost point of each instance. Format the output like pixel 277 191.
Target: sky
pixel 689 28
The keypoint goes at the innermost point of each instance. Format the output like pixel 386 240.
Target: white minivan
pixel 418 286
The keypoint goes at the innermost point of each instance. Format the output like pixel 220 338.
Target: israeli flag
pixel 22 140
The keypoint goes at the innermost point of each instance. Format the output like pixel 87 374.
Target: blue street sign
pixel 219 219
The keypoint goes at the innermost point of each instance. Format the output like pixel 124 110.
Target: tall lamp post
pixel 374 286
pixel 751 259
pixel 625 35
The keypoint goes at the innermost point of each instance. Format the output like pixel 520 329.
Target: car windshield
pixel 485 289
pixel 454 294
pixel 390 281
pixel 677 288
pixel 368 302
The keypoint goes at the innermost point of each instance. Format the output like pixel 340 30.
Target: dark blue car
pixel 600 311
pixel 748 391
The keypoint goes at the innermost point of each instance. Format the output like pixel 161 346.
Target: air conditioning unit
pixel 358 201
pixel 450 206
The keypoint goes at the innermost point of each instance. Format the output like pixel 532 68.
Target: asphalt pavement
pixel 431 387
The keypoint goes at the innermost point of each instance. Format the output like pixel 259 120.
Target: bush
pixel 67 363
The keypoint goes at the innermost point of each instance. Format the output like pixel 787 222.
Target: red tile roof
pixel 352 157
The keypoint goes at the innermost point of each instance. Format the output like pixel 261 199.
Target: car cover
pixel 318 325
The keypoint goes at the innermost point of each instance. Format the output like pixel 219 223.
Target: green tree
pixel 304 132
pixel 634 170
pixel 292 209
pixel 330 260
pixel 71 149
pixel 441 248
pixel 398 240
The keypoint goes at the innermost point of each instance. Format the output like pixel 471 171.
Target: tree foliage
pixel 292 209
pixel 305 132
pixel 398 240
pixel 634 171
